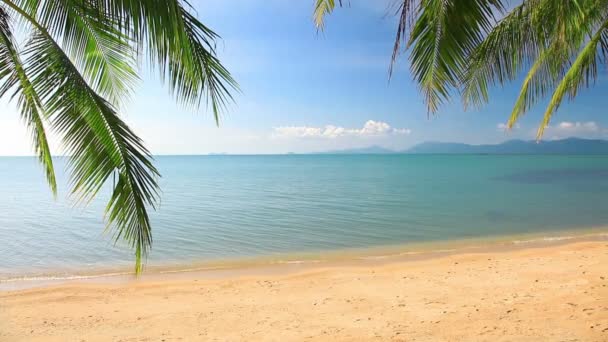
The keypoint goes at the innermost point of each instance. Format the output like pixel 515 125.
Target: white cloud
pixel 564 129
pixel 295 131
pixel 503 127
pixel 370 129
pixel 405 131
pixel 590 126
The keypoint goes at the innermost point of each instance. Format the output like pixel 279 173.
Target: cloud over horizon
pixel 371 128
pixel 503 127
pixel 566 129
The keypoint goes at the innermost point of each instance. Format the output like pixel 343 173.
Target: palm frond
pixel 209 78
pixel 406 12
pixel 176 43
pixel 180 47
pixel 457 44
pixel 13 77
pixel 538 35
pixel 93 40
pixel 506 50
pixel 100 144
pixel 444 35
pixel 581 73
pixel 537 81
pixel 322 9
pixel 83 52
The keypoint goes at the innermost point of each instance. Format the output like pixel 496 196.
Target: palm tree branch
pixel 216 81
pixel 541 77
pixel 551 61
pixel 28 100
pixel 99 142
pixel 406 12
pixel 93 41
pixel 100 145
pixel 508 48
pixel 582 72
pixel 323 8
pixel 180 47
pixel 445 33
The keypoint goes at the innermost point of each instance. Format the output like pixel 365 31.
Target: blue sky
pixel 305 91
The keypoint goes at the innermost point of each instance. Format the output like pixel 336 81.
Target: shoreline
pixel 552 292
pixel 288 263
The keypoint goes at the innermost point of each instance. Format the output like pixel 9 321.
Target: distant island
pixel 563 146
pixel 364 150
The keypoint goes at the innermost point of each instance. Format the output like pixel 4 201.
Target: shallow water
pixel 219 207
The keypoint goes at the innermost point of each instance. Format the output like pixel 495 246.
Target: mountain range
pixel 563 146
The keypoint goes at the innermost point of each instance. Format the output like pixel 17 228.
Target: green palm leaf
pixel 540 36
pixel 581 74
pixel 179 47
pixel 12 76
pixel 80 64
pixel 323 8
pixel 100 144
pixel 444 35
pixel 106 37
pixel 93 40
pixel 499 58
pixel 459 45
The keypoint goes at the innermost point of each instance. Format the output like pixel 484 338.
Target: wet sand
pixel 551 293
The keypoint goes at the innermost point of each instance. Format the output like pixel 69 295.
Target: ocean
pixel 228 207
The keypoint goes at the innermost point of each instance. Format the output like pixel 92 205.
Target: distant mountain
pixel 564 146
pixel 364 150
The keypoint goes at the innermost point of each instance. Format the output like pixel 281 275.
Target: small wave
pixel 544 239
pixel 558 238
pixel 297 262
pixel 408 253
pixel 62 277
pixel 444 250
pixel 193 269
pixel 374 257
pixel 66 277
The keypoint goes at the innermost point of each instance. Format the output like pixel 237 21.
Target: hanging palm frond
pixel 80 64
pixel 467 46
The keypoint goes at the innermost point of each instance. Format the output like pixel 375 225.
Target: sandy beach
pixel 554 293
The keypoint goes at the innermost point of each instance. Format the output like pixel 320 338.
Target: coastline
pixel 286 263
pixel 549 292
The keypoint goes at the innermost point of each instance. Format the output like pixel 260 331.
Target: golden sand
pixel 556 293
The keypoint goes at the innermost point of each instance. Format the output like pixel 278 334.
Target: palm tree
pixel 466 46
pixel 79 64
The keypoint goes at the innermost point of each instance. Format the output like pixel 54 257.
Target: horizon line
pixel 346 150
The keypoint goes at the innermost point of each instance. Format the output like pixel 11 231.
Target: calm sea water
pixel 216 207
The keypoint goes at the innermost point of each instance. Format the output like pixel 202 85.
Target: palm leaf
pixel 209 79
pixel 99 143
pixel 179 47
pixel 13 76
pixel 165 31
pixel 92 39
pixel 323 8
pixel 84 51
pixel 444 35
pixel 458 44
pixel 581 74
pixel 407 13
pixel 538 35
pixel 506 50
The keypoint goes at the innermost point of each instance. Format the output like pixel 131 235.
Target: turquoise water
pixel 216 207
